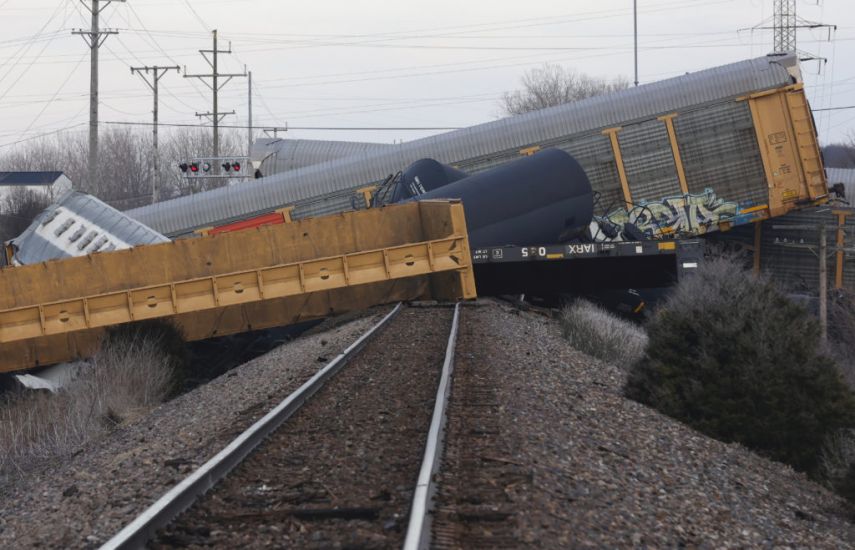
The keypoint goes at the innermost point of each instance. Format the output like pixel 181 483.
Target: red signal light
pixel 194 167
pixel 236 166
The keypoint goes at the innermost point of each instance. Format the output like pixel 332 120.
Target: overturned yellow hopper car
pixel 235 282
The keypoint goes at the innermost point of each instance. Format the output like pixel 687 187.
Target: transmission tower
pixel 94 38
pixel 785 25
pixel 215 85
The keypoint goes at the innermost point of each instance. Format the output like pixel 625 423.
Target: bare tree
pixel 552 85
pixel 18 208
pixel 840 155
pixel 124 178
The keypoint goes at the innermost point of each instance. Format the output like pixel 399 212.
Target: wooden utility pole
pixel 94 38
pixel 216 116
pixel 821 252
pixel 157 74
pixel 249 131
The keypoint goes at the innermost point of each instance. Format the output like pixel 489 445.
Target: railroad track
pixel 473 506
pixel 334 470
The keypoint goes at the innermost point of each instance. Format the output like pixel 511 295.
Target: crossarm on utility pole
pixel 157 74
pixel 94 38
pixel 215 86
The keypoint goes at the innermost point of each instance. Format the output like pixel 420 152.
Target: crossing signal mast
pixel 232 167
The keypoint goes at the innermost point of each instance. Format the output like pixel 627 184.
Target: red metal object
pixel 274 218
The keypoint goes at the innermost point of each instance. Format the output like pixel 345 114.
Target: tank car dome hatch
pixel 543 198
pixel 423 176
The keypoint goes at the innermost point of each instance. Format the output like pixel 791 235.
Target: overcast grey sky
pixel 411 63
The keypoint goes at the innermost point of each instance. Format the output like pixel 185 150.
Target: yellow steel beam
pixel 675 149
pixel 235 282
pixel 278 281
pixel 624 182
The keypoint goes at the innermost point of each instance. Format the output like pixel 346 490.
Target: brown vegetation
pixel 593 330
pixel 126 171
pixel 133 373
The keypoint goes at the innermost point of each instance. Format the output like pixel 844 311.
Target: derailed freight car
pixel 680 157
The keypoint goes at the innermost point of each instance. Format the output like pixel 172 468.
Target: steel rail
pixel 418 529
pixel 186 493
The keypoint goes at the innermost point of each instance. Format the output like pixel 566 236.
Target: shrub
pixel 732 357
pixel 837 463
pixel 131 374
pixel 841 328
pixel 593 330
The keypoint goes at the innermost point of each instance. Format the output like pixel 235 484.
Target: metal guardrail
pixel 186 493
pixel 418 530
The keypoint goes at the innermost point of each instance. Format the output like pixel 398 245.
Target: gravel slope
pixel 340 473
pixel 88 498
pixel 591 468
pixel 579 465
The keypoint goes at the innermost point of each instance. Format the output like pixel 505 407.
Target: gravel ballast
pixel 340 472
pixel 570 462
pixel 89 497
pixel 567 461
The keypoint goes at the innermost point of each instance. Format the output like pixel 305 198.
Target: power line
pixel 289 127
pixel 836 108
pixel 215 116
pixel 94 38
pixel 157 74
pixel 52 132
pixel 61 86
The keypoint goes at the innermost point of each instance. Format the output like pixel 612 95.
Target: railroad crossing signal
pixel 231 167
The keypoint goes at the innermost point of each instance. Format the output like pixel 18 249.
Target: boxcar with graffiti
pixel 680 157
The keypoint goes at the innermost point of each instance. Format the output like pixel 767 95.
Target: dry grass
pixel 129 376
pixel 593 330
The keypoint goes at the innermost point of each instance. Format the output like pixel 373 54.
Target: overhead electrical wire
pixel 157 45
pixel 58 90
pixel 26 48
pixel 9 144
pixel 289 126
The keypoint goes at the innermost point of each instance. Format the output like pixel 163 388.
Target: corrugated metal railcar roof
pixel 279 155
pixel 76 225
pixel 681 93
pixel 22 179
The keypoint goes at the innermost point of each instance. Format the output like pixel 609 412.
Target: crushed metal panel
pixel 76 225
